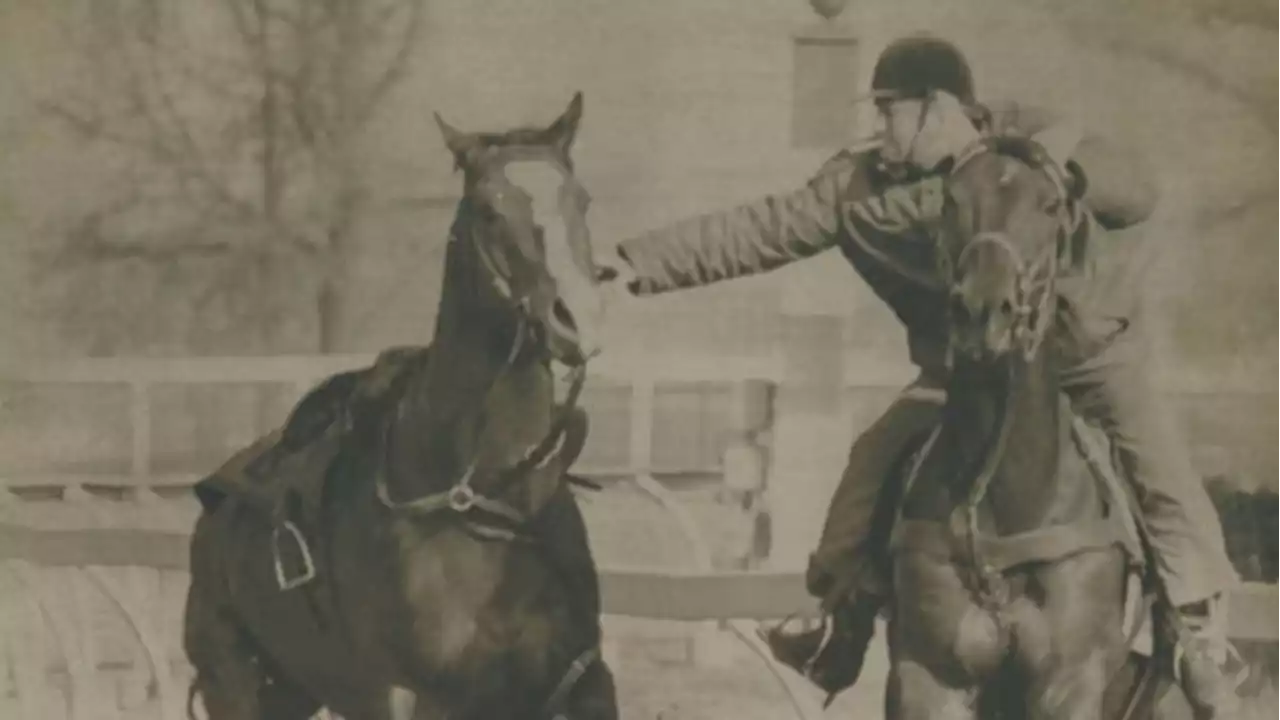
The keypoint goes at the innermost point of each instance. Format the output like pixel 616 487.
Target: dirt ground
pixel 656 679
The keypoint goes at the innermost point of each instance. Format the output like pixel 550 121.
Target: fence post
pixel 140 452
pixel 746 458
pixel 640 454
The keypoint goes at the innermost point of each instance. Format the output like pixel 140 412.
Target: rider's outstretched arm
pixel 752 238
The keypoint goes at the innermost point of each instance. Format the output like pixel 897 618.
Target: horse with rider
pixel 881 204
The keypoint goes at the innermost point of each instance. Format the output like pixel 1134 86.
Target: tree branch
pixel 397 67
pixel 1142 33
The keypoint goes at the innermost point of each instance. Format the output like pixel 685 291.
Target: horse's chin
pixel 568 349
pixel 983 347
pixel 566 344
pixel 982 354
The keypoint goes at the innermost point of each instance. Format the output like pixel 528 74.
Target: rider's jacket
pixel 882 226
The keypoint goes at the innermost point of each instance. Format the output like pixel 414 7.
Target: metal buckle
pixel 309 568
pixel 462 498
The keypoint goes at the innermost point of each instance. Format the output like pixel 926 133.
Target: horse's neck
pixel 484 396
pixel 1022 478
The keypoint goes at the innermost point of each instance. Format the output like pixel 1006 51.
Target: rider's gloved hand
pixel 620 277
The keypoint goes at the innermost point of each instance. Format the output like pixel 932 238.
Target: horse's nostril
pixel 606 274
pixel 1006 308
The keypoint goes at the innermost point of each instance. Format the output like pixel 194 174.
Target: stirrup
pixel 309 568
pixel 828 632
pixel 1235 679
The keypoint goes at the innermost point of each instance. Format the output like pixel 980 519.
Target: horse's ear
pixel 562 132
pixel 459 143
pixel 1060 140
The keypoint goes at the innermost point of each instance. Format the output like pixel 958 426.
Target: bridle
pixel 1035 281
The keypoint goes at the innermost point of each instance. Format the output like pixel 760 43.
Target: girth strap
pixel 555 705
pixel 1000 553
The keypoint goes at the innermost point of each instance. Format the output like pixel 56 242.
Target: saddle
pixel 281 476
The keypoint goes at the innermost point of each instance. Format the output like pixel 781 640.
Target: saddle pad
pixel 312 435
pixel 233 477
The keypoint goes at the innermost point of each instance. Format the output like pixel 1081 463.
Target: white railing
pixel 645 376
pixel 643 380
pixel 54 577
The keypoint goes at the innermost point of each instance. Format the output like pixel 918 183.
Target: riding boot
pixel 1203 657
pixel 830 655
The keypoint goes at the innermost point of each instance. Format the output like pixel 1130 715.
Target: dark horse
pixel 454 577
pixel 1010 561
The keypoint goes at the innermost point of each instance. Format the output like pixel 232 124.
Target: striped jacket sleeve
pixel 749 239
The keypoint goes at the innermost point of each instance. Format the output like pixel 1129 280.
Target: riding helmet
pixel 916 65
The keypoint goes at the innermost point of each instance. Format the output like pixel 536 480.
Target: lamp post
pixel 825 74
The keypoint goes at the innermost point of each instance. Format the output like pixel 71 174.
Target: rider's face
pixel 899 124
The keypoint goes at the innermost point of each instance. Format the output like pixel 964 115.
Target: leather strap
pixel 1007 551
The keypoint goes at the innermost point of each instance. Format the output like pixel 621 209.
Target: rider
pixel 875 202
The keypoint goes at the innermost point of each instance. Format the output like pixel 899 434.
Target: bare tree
pixel 238 130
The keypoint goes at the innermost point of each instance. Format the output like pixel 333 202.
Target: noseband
pixel 1033 289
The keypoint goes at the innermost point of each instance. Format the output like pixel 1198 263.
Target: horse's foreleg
pixel 1071 647
pixel 934 668
pixel 916 693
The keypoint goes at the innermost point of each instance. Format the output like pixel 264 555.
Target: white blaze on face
pixel 543 182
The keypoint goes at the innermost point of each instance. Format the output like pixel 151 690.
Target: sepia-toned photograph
pixel 639 359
